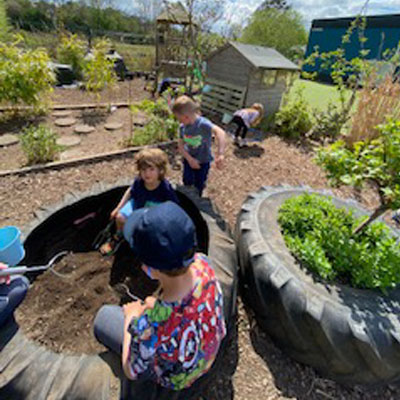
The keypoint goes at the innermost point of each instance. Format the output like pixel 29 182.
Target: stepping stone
pixel 65 121
pixel 62 113
pixel 84 129
pixel 71 154
pixel 8 140
pixel 113 126
pixel 68 141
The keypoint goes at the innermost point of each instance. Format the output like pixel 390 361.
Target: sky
pixel 238 10
pixel 315 9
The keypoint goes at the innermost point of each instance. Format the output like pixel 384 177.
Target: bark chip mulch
pixel 253 367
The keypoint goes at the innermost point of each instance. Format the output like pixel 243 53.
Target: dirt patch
pixel 99 141
pixel 58 312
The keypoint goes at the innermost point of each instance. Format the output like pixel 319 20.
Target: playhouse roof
pixel 262 57
pixel 174 13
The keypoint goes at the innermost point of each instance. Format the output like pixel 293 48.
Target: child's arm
pixel 191 160
pixel 131 310
pixel 257 120
pixel 123 201
pixel 220 135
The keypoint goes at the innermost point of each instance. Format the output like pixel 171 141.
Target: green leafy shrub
pixel 98 70
pixel 72 51
pixel 39 144
pixel 329 123
pixel 293 120
pixel 162 125
pixel 320 236
pixel 373 160
pixel 25 76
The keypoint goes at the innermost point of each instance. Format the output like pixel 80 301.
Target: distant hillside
pixel 74 16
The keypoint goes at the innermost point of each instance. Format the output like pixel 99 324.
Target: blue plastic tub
pixel 11 249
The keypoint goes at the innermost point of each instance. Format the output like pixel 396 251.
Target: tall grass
pixel 375 103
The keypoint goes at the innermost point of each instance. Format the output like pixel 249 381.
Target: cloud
pixel 316 9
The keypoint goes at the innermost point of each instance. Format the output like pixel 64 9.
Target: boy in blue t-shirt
pixel 195 143
pixel 148 189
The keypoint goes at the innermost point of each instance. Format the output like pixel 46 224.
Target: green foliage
pixel 280 29
pixel 162 125
pixel 25 75
pixel 328 123
pixel 74 16
pixel 320 236
pixel 293 120
pixel 3 21
pixel 39 144
pixel 72 51
pixel 376 161
pixel 98 70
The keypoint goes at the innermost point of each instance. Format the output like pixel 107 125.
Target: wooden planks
pixel 223 97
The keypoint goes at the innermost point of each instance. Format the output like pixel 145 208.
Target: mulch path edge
pixel 83 160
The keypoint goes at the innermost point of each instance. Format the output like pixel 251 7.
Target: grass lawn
pixel 318 95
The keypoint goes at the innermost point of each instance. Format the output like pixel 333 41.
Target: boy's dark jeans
pixel 195 177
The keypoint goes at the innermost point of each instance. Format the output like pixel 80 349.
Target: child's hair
pixel 180 271
pixel 152 158
pixel 259 107
pixel 184 105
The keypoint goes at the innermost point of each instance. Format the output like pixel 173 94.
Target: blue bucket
pixel 11 249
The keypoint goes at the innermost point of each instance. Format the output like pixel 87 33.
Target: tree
pixel 281 30
pixel 277 4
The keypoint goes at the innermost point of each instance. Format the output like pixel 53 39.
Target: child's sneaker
pixel 110 247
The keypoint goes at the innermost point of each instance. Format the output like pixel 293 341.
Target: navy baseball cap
pixel 161 236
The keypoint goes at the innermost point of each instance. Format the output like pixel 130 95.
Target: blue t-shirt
pixel 148 198
pixel 197 139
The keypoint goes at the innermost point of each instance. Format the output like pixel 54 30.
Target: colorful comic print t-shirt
pixel 175 343
pixel 197 139
pixel 143 197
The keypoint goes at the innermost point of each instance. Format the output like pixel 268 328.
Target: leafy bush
pixel 98 70
pixel 39 144
pixel 320 236
pixel 375 160
pixel 329 123
pixel 151 133
pixel 293 120
pixel 25 75
pixel 72 51
pixel 162 125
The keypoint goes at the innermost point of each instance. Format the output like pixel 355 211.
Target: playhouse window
pixel 269 77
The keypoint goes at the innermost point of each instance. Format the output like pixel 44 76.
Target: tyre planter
pixel 30 371
pixel 349 335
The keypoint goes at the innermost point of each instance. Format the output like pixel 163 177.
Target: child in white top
pixel 244 119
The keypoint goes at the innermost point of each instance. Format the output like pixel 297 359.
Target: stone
pixel 65 121
pixel 68 141
pixel 8 139
pixel 62 113
pixel 84 129
pixel 113 126
pixel 71 154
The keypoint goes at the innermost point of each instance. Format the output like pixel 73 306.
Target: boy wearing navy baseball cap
pixel 173 338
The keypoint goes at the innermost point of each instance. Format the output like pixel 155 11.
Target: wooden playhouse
pixel 239 75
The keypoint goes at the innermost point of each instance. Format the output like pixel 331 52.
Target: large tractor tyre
pixel 349 335
pixel 31 372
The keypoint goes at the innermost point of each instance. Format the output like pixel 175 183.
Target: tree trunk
pixel 377 213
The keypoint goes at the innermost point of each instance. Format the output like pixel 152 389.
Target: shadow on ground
pixel 301 382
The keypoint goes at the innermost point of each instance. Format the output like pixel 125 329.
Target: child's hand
pixel 134 309
pixel 194 163
pixel 219 161
pixel 4 279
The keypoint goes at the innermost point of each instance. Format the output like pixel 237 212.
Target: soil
pixel 59 311
pixel 99 141
pixel 253 367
